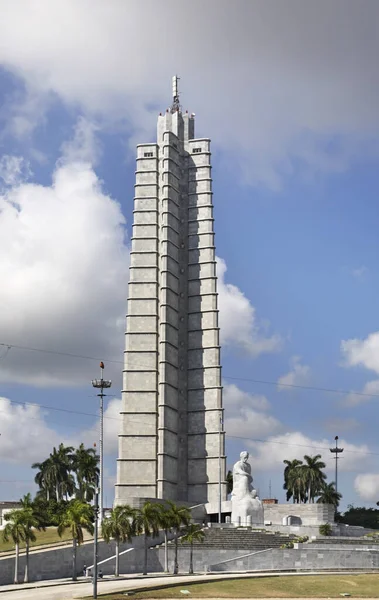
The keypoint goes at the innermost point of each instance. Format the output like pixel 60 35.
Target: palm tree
pixel 43 479
pixel 146 521
pixel 165 523
pixel 77 517
pixel 313 474
pixel 229 482
pixel 291 465
pixel 54 473
pixel 85 463
pixel 297 484
pixel 118 526
pixel 329 495
pixel 194 533
pixel 179 516
pixel 32 519
pixel 15 530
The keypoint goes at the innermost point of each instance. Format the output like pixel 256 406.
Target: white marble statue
pixel 247 509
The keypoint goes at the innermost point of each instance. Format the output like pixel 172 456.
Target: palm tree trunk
pixel 74 576
pixel 191 559
pixel 176 566
pixel 309 494
pixel 16 564
pixel 117 567
pixel 26 575
pixel 165 551
pixel 145 556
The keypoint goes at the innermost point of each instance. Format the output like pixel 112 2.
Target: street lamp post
pixel 336 451
pixel 101 384
pixel 95 543
pixel 220 471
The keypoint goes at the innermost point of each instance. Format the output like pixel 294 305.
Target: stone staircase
pixel 241 539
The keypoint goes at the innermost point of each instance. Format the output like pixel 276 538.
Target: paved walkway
pixel 65 589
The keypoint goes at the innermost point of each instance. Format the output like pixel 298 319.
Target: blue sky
pixel 291 107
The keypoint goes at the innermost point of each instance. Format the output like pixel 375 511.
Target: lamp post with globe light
pixel 101 384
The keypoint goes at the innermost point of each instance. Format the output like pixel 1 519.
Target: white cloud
pixel 300 95
pixel 25 436
pixel 370 390
pixel 84 147
pixel 246 414
pixel 295 444
pixel 112 422
pixel 367 486
pixel 238 322
pixel 234 398
pixel 65 262
pixel 299 375
pixel 363 353
pixel 14 169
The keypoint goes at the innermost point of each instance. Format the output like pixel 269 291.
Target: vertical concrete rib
pixel 204 368
pixel 137 463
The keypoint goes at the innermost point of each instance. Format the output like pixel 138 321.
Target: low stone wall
pixel 302 514
pixel 304 559
pixel 56 563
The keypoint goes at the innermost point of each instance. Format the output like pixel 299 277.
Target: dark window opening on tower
pixel 148 154
pixel 195 150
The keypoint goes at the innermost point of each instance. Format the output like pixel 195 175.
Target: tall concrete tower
pixel 171 436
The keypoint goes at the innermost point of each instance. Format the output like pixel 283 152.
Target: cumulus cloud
pixel 246 414
pixel 238 322
pixel 298 375
pixel 25 436
pixel 305 102
pixel 84 147
pixel 14 169
pixel 65 261
pixel 367 486
pixel 370 390
pixel 234 398
pixel 295 444
pixel 111 428
pixel 363 353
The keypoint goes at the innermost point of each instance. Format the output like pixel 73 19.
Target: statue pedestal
pixel 247 511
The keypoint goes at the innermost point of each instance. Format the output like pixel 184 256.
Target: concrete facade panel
pixel 145 217
pixel 201 398
pixel 141 342
pixel 143 290
pixel 140 448
pixel 141 360
pixel 145 245
pixel 142 307
pixel 140 382
pixel 142 274
pixel 137 402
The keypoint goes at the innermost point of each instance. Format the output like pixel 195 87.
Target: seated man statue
pixel 247 509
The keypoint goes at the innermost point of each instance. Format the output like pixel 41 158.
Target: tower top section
pixel 175 107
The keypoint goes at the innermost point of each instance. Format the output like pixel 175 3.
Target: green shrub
pixel 325 529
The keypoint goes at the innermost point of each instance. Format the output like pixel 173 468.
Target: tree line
pixel 67 480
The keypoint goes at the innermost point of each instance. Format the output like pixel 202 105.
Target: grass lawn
pixel 307 586
pixel 49 536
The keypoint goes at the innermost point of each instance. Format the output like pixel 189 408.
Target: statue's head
pixel 244 456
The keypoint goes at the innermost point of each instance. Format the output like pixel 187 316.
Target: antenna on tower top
pixel 175 94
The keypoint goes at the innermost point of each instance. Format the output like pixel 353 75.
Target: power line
pixel 260 381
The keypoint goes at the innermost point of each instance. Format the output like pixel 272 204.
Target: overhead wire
pixel 230 377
